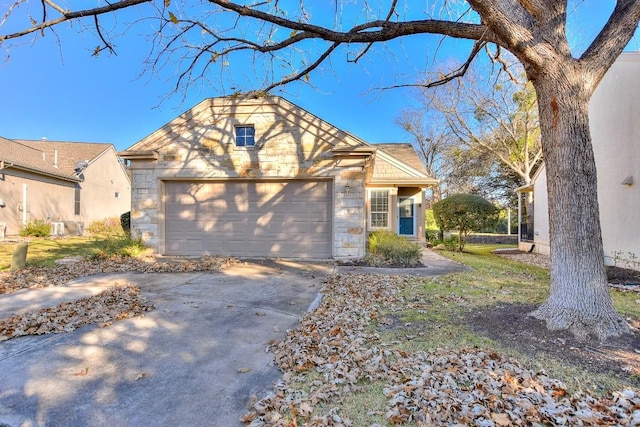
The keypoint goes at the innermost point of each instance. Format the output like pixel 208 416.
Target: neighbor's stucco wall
pixel 46 198
pixel 104 177
pixel 615 129
pixel 290 144
pixel 540 217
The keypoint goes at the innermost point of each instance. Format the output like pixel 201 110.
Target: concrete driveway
pixel 195 360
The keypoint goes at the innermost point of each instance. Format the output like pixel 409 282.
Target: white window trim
pixel 369 221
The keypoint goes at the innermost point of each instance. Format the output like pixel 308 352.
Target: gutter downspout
pixel 24 204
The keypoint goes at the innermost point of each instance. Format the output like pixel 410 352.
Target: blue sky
pixel 58 90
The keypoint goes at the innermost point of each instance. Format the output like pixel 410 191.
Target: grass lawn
pixel 43 252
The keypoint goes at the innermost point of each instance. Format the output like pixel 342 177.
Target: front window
pixel 245 136
pixel 379 211
pixel 76 202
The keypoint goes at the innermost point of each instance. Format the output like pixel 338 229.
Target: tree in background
pixel 509 140
pixel 465 213
pixel 198 37
pixel 490 130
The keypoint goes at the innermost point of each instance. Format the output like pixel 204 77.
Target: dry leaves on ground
pixel 538 260
pixel 336 352
pixel 38 277
pixel 119 302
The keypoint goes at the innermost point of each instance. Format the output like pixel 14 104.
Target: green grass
pixel 43 252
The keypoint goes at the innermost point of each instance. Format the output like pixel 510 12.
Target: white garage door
pixel 249 219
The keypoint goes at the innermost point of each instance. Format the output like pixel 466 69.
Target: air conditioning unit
pixel 57 228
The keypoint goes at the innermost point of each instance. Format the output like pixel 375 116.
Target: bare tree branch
pixel 366 49
pixel 107 45
pixel 69 16
pixel 452 75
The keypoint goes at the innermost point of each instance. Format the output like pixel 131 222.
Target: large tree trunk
pixel 579 299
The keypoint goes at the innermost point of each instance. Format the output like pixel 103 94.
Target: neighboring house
pixel 614 117
pixel 258 177
pixel 70 184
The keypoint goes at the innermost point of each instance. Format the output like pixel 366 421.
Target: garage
pixel 290 219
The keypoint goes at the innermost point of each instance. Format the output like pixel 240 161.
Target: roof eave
pixel 422 183
pixel 8 165
pixel 139 155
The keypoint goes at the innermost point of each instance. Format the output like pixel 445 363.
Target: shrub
pixel 451 243
pixel 125 222
pixel 465 213
pixel 106 226
pixel 113 246
pixel 35 228
pixel 386 247
pixel 432 236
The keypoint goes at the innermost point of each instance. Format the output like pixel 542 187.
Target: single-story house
pixel 614 114
pixel 69 184
pixel 262 177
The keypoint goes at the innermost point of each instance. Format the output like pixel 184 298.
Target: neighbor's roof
pixel 39 156
pixel 405 153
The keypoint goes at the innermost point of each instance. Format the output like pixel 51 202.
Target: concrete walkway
pixel 434 265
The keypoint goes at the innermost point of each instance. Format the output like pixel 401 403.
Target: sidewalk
pixel 435 265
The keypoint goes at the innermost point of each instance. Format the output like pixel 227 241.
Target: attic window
pixel 245 136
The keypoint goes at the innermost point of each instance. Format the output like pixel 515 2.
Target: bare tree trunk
pixel 579 299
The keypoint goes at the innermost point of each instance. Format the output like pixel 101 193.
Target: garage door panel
pixel 286 219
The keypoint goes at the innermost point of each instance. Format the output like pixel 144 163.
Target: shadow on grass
pixel 44 252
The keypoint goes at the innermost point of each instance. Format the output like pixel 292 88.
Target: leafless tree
pixel 200 36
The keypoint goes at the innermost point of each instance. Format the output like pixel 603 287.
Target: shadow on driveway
pixel 194 360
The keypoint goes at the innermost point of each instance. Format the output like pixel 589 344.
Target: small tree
pixel 465 213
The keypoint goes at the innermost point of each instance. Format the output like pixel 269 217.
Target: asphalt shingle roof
pixel 39 156
pixel 405 153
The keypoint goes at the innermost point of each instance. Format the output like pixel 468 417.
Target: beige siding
pixel 615 129
pixel 47 199
pixel 104 177
pixel 383 169
pixel 54 200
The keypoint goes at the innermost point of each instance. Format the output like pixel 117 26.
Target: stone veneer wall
pixel 285 149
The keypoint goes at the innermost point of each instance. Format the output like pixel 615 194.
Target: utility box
pixel 74 228
pixel 57 228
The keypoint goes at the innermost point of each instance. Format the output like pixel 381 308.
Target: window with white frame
pixel 379 208
pixel 245 136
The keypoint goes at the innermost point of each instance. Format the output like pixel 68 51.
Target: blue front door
pixel 406 219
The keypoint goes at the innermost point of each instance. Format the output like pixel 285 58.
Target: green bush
pixel 386 247
pixel 452 243
pixel 465 213
pixel 432 236
pixel 114 246
pixel 125 222
pixel 36 228
pixel 106 226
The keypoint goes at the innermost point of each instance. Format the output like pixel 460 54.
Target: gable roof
pixel 402 157
pixel 40 156
pixel 205 111
pixel 404 152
